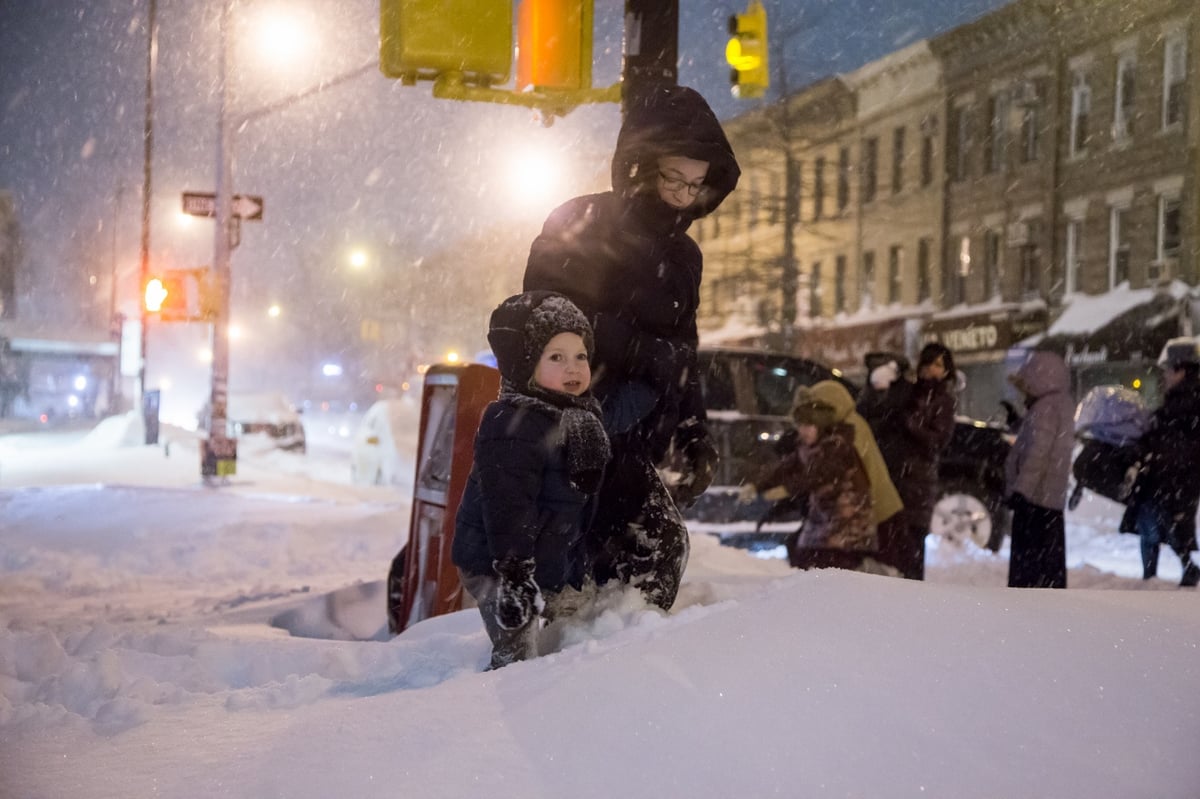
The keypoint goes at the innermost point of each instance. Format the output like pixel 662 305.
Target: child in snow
pixel 838 528
pixel 540 453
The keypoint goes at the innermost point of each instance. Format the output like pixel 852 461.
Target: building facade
pixel 970 188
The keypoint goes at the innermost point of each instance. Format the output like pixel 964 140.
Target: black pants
pixel 1038 558
pixel 902 545
pixel 637 535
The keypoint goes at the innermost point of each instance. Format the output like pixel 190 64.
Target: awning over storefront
pixel 845 347
pixel 1136 334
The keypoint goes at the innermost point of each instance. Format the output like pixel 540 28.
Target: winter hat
pixel 808 409
pixel 1180 353
pixel 523 324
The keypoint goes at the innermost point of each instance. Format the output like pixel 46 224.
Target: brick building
pixel 974 187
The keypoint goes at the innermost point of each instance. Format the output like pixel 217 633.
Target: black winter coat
pixel 912 425
pixel 519 501
pixel 1169 476
pixel 624 257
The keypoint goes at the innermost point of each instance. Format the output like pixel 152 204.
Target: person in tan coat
pixel 1037 472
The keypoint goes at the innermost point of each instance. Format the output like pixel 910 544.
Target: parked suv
pixel 748 396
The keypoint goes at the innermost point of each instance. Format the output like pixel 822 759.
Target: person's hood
pixel 673 120
pixel 835 395
pixel 1043 373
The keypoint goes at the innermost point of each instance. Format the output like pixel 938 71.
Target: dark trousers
pixel 637 535
pixel 1038 558
pixel 1156 526
pixel 902 546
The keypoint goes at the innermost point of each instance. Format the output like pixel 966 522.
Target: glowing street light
pixel 359 259
pixel 274 311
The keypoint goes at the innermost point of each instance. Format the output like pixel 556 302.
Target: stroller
pixel 1108 423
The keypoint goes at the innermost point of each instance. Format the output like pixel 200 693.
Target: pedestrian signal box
pixel 554 44
pixel 420 39
pixel 423 581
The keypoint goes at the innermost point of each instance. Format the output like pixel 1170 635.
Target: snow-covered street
pixel 163 638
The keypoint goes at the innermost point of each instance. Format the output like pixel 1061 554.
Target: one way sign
pixel 245 206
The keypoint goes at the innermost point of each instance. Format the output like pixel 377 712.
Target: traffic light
pixel 175 295
pixel 554 44
pixel 746 52
pixel 421 39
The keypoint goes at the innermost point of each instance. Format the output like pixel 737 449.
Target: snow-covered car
pixel 748 396
pixel 266 414
pixel 381 453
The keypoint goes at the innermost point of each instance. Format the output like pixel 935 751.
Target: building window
pixel 1074 261
pixel 960 128
pixel 1118 246
pixel 995 156
pixel 870 175
pixel 1123 98
pixel 897 160
pixel 776 199
pixel 798 168
pixel 1029 98
pixel 1081 107
pixel 814 291
pixel 754 203
pixel 924 290
pixel 927 159
pixel 819 188
pixel 895 265
pixel 1169 237
pixel 843 179
pixel 991 264
pixel 867 292
pixel 1174 78
pixel 955 285
pixel 839 285
pixel 1030 256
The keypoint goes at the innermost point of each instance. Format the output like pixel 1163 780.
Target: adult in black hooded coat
pixel 624 257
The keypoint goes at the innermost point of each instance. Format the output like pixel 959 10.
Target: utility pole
pixel 219 453
pixel 651 48
pixel 147 153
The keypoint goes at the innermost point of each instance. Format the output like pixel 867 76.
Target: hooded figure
pixel 885 500
pixel 539 456
pixel 825 469
pixel 624 257
pixel 1037 472
pixel 1166 489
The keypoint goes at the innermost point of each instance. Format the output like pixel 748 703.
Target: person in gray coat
pixel 1037 473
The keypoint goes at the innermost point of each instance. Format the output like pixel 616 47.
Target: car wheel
pixel 964 512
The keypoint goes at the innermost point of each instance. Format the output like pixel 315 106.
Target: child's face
pixel 564 365
pixel 808 434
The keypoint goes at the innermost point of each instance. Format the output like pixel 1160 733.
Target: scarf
pixel 586 443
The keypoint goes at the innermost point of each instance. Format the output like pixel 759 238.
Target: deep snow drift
pixel 137 657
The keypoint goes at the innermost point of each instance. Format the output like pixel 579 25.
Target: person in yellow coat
pixel 885 499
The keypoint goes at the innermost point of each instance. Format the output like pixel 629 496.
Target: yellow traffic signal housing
pixel 421 39
pixel 746 52
pixel 554 44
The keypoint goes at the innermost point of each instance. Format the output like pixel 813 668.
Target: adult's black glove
pixel 516 592
pixel 699 464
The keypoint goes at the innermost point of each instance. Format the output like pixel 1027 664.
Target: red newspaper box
pixel 423 581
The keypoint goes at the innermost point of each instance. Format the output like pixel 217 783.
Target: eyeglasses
pixel 675 184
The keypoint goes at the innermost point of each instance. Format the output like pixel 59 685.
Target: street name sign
pixel 245 206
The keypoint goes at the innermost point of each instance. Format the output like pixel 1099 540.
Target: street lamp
pixel 219 451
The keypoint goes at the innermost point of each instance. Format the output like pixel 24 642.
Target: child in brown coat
pixel 838 529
